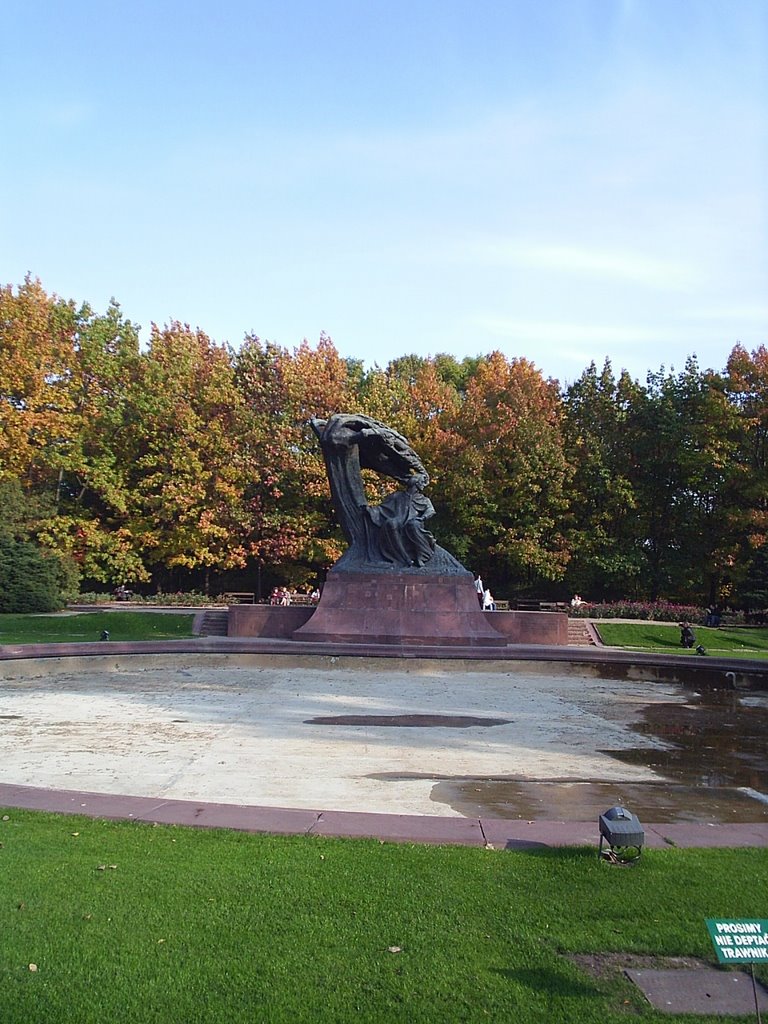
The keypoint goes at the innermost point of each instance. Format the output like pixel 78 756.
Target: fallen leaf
pixel 75 833
pixel 159 941
pixel 33 967
pixel 113 866
pixel 394 949
pixel 6 817
pixel 102 867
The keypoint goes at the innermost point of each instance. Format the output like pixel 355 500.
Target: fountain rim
pixel 712 672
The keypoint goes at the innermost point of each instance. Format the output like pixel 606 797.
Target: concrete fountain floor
pixel 525 746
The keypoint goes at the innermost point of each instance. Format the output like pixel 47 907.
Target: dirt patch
pixel 611 966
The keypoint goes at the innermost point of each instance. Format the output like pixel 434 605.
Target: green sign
pixel 739 941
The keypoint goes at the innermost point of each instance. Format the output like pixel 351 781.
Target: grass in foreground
pixel 727 642
pixel 53 629
pixel 134 923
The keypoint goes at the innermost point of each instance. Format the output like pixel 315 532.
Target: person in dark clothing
pixel 687 636
pixel 403 538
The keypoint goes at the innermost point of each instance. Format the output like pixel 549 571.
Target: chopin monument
pixel 394 584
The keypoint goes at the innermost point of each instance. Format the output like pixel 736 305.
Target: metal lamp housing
pixel 622 831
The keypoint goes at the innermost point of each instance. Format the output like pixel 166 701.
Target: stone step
pixel 215 622
pixel 579 634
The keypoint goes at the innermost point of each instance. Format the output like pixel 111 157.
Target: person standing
pixel 480 589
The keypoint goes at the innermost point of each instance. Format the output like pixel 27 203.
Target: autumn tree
pixel 506 496
pixel 192 458
pixel 185 467
pixel 37 424
pixel 288 497
pixel 91 493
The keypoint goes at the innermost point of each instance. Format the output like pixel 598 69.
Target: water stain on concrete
pixel 410 721
pixel 716 739
pixel 581 800
pixel 712 766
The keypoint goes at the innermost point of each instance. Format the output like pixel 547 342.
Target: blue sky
pixel 559 179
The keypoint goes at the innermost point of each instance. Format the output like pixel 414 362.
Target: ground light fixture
pixel 623 835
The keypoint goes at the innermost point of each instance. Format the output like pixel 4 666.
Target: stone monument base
pixel 400 608
pixel 531 627
pixel 273 622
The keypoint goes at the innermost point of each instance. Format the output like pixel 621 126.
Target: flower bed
pixel 190 599
pixel 658 611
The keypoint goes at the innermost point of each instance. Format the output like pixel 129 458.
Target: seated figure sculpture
pixel 391 536
pixel 401 536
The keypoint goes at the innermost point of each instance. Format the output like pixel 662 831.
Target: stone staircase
pixel 580 634
pixel 214 622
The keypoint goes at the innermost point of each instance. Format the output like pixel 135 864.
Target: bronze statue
pixel 391 536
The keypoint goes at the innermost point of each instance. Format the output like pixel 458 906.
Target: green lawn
pixel 730 642
pixel 134 923
pixel 53 629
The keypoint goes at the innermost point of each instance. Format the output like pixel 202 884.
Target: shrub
pixel 190 599
pixel 660 611
pixel 31 580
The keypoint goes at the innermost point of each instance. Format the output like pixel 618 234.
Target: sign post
pixel 740 941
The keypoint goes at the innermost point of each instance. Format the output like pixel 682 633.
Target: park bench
pixel 240 598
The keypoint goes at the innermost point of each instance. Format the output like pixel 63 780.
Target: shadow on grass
pixel 654 640
pixel 553 982
pixel 565 854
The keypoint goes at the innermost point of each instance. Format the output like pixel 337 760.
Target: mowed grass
pixel 131 923
pixel 52 629
pixel 728 642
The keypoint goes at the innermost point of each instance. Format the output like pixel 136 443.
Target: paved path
pixel 496 833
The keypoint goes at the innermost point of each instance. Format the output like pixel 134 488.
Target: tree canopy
pixel 188 461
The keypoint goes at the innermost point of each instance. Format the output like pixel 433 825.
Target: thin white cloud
pixel 749 312
pixel 635 267
pixel 562 332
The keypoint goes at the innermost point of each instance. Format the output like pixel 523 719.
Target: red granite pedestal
pixel 267 620
pixel 400 608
